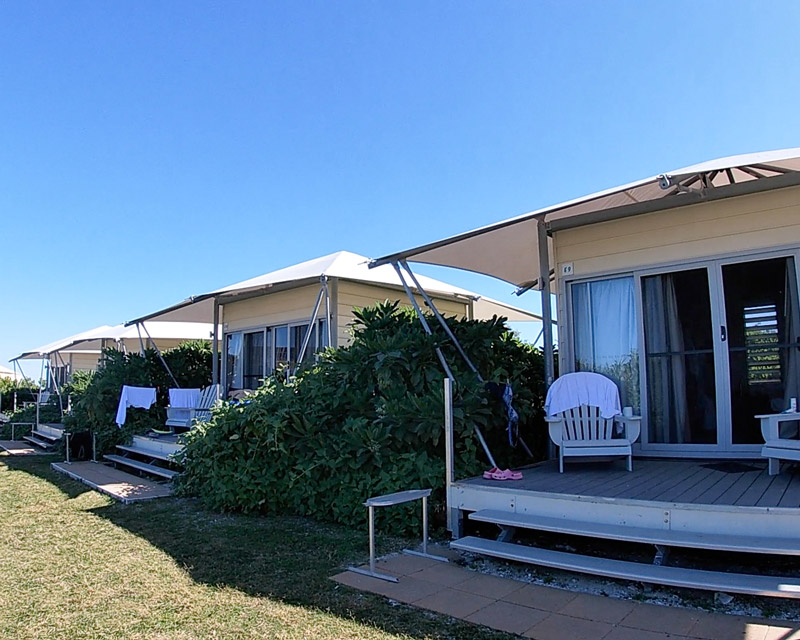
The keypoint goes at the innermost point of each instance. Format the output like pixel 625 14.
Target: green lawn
pixel 74 564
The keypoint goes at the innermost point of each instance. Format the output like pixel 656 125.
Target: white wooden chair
pixel 582 431
pixel 184 417
pixel 779 444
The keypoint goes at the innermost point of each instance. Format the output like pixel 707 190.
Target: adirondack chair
pixel 581 428
pixel 184 417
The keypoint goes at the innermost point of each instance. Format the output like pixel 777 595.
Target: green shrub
pixel 26 392
pixel 95 397
pixel 366 420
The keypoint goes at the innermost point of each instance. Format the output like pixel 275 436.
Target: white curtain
pixel 605 333
pixel 791 377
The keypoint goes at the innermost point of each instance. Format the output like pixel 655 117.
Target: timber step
pixel 44 435
pixel 44 444
pixel 141 466
pixel 665 537
pixel 149 453
pixel 774 586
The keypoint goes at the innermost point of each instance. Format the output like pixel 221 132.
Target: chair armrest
pixel 555 426
pixel 632 425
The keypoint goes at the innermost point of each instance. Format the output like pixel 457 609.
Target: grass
pixel 76 565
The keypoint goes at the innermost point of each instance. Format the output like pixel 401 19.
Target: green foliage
pixel 366 420
pixel 95 396
pixel 26 391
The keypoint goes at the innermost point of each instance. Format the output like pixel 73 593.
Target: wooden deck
pixel 697 482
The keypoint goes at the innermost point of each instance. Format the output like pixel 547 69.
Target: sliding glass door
pixel 762 338
pixel 719 344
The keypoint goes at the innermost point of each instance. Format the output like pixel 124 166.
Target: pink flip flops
pixel 502 474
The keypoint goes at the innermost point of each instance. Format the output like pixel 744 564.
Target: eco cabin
pixel 282 318
pixel 683 289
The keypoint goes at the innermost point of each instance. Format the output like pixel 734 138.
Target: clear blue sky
pixel 150 150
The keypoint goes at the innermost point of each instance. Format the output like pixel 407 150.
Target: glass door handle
pixel 723 333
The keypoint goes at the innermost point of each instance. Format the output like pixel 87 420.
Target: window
pixel 253 355
pixel 762 343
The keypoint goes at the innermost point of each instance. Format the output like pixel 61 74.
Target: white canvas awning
pixel 343 265
pixel 92 341
pixel 509 250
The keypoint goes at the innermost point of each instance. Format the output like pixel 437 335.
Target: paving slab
pixel 650 617
pixel 600 608
pixel 568 628
pixel 121 486
pixel 458 604
pixel 17 448
pixel 511 618
pixel 538 597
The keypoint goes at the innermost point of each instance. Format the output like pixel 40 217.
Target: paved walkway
pixel 534 611
pixel 119 485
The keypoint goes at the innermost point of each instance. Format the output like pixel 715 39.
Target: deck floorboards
pixel 702 482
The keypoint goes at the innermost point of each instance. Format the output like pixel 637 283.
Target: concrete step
pixel 141 466
pixel 778 587
pixel 665 537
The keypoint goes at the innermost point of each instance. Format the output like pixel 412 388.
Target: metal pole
pixel 141 342
pixel 371 510
pixel 425 524
pixel 441 320
pixel 94 447
pixel 327 310
pixel 422 319
pixel 311 323
pixel 448 435
pixel 66 435
pixel 215 344
pixel 547 314
pixel 160 357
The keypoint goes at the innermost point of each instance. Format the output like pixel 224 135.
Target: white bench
pixel 775 447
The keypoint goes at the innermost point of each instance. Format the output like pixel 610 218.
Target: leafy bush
pixel 26 391
pixel 366 420
pixel 95 396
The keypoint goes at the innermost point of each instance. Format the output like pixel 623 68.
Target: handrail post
pixel 449 463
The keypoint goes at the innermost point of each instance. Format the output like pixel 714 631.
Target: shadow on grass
pixel 39 466
pixel 283 558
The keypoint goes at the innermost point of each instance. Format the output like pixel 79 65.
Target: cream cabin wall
pixel 271 309
pixel 357 294
pixel 760 221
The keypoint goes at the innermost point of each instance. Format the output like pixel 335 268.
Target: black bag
pixel 80 445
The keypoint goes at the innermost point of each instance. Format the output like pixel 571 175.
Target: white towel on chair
pixel 140 397
pixel 574 389
pixel 184 398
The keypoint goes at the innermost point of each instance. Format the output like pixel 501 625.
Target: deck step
pixel 672 576
pixel 141 466
pixel 46 436
pixel 44 444
pixel 666 537
pixel 158 455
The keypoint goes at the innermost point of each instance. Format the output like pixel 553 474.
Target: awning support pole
pixel 439 354
pixel 441 320
pixel 158 353
pixel 328 312
pixel 141 342
pixel 215 344
pixel 547 312
pixel 311 324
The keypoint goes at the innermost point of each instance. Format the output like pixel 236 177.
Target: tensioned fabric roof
pixel 91 341
pixel 509 249
pixel 343 265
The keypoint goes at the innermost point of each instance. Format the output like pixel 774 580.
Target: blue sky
pixel 150 151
